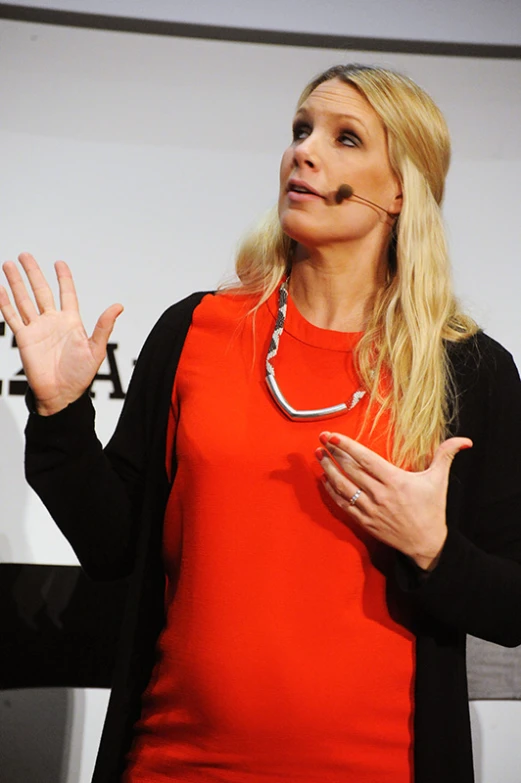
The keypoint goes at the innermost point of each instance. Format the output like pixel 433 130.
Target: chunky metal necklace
pixel 293 413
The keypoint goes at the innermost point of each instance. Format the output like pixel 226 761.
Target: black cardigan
pixel 110 505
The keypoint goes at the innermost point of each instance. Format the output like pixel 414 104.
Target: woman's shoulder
pixel 480 359
pixel 226 301
pixel 168 333
pixel 181 310
pixel 487 390
pixel 211 309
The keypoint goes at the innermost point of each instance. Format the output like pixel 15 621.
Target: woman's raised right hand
pixel 60 360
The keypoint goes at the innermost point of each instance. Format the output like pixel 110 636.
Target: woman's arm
pixel 95 496
pixel 476 585
pixel 65 461
pixel 95 505
pixel 473 581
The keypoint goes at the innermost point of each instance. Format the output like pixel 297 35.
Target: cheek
pixel 382 178
pixel 286 163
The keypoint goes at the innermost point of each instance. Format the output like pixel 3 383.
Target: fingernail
pixel 324 437
pixel 320 454
pixel 335 440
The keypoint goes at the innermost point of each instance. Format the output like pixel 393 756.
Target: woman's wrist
pixel 428 560
pixel 51 406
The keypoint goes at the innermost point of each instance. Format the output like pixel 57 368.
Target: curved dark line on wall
pixel 248 35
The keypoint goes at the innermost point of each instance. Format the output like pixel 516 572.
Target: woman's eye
pixel 300 132
pixel 349 139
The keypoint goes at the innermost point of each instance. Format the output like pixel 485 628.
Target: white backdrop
pixel 469 21
pixel 141 160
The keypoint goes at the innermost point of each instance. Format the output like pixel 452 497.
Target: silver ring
pixel 355 497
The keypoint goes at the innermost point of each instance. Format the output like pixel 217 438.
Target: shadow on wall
pixel 36 724
pixel 494 674
pixel 36 731
pixel 59 631
pixel 47 620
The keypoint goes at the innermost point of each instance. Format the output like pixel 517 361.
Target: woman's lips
pixel 295 195
pixel 298 190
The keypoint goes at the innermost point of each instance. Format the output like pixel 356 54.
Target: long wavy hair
pixel 415 314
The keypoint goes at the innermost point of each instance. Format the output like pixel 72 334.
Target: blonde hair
pixel 415 313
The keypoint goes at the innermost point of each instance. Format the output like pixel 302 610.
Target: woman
pixel 298 596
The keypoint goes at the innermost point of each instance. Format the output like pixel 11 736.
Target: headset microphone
pixel 343 192
pixel 346 191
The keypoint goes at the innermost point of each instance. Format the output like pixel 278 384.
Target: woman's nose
pixel 306 153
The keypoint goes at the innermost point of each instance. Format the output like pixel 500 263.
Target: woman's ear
pixel 396 205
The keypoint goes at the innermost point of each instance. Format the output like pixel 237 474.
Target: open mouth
pixel 300 187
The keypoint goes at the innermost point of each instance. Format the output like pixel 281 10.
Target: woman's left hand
pixel 403 509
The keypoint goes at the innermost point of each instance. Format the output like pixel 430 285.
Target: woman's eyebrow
pixel 303 112
pixel 351 118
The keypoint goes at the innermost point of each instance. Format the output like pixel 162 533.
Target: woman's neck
pixel 335 292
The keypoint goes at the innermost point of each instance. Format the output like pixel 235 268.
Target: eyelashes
pixel 301 130
pixel 346 137
pixel 349 139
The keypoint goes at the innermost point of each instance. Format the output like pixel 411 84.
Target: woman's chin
pixel 299 230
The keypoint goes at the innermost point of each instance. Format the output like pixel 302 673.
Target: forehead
pixel 337 97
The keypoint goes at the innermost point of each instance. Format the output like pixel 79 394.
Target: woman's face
pixel 338 139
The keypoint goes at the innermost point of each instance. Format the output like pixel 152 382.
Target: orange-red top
pixel 280 660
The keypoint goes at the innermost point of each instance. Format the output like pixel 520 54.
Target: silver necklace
pixel 289 410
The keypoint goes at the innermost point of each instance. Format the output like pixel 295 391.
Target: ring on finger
pixel 352 501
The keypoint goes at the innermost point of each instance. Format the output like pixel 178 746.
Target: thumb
pixel 446 452
pixel 104 327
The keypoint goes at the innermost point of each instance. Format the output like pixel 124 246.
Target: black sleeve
pixel 476 586
pixel 94 495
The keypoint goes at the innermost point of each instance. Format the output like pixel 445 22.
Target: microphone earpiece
pixel 346 191
pixel 343 192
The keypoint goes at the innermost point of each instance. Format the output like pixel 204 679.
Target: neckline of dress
pixel 304 331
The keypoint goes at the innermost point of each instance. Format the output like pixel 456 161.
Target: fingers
pixel 104 327
pixel 349 466
pixel 24 304
pixel 9 313
pixel 39 285
pixel 446 452
pixel 27 311
pixel 340 486
pixel 356 508
pixel 41 289
pixel 68 296
pixel 357 460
